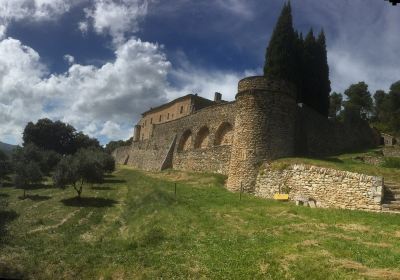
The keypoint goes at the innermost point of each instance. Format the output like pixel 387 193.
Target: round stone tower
pixel 264 128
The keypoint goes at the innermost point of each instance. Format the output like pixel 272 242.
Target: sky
pixel 98 64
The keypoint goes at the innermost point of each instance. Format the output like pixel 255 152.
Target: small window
pixel 181 109
pixel 151 120
pixel 145 122
pixel 168 116
pixel 160 118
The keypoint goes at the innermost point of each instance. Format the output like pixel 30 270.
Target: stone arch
pixel 224 134
pixel 185 142
pixel 202 138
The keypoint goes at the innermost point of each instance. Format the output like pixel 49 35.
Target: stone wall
pixel 393 151
pixel 328 187
pixel 319 136
pixel 121 154
pixel 264 128
pixel 204 153
pixel 214 159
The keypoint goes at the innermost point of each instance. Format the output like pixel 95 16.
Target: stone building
pixel 235 138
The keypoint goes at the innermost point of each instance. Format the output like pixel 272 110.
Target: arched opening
pixel 224 134
pixel 185 142
pixel 202 138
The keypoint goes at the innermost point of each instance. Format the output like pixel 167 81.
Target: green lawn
pixel 348 162
pixel 132 227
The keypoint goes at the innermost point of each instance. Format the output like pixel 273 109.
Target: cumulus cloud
pixel 33 10
pixel 85 96
pixel 116 18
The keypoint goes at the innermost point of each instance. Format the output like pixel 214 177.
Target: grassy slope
pixel 347 162
pixel 207 233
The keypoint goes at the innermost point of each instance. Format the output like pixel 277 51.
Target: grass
pixel 389 169
pixel 133 227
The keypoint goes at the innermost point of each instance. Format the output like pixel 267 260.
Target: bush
pixel 391 162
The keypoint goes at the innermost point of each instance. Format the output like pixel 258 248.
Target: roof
pixel 165 105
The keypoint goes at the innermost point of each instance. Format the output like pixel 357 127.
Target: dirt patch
pixel 378 273
pixel 63 221
pixel 354 227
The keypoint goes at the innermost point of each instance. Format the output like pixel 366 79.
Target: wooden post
pixel 241 190
pixel 175 191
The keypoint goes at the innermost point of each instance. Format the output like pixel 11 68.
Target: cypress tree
pixel 299 46
pixel 310 81
pixel 280 59
pixel 324 83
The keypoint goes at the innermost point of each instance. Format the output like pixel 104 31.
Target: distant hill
pixel 7 148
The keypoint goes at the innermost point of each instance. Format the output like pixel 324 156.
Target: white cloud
pixel 83 26
pixel 116 18
pixel 69 58
pixel 90 98
pixel 237 7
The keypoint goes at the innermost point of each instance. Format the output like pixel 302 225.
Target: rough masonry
pixel 235 138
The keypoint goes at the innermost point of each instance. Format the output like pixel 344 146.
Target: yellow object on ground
pixel 281 196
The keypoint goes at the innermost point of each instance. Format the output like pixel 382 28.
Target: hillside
pixel 133 227
pixel 7 148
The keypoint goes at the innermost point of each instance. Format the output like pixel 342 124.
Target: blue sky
pixel 98 64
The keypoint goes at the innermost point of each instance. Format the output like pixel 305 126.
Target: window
pixel 168 116
pixel 151 120
pixel 160 118
pixel 181 109
pixel 145 122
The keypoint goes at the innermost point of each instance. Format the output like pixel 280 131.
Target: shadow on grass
pixel 97 202
pixel 6 216
pixel 35 197
pixel 4 195
pixel 36 187
pixel 99 188
pixel 113 181
pixel 333 159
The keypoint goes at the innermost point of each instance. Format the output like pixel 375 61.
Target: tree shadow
pixel 113 181
pixel 97 202
pixel 333 159
pixel 6 216
pixel 99 188
pixel 35 197
pixel 36 187
pixel 4 195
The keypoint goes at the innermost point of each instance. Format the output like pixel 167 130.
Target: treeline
pixel 302 61
pixel 56 150
pixel 381 109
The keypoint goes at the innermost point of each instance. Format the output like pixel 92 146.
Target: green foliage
pixel 280 59
pixel 66 172
pixel 391 162
pixel 85 166
pixel 5 166
pixel 56 136
pixel 27 174
pixel 359 102
pixel 315 73
pixel 112 145
pixel 335 106
pixel 302 62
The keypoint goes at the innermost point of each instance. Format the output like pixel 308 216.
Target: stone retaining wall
pixel 327 187
pixel 393 151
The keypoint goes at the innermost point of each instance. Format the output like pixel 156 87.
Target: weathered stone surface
pixel 327 187
pixel 234 138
